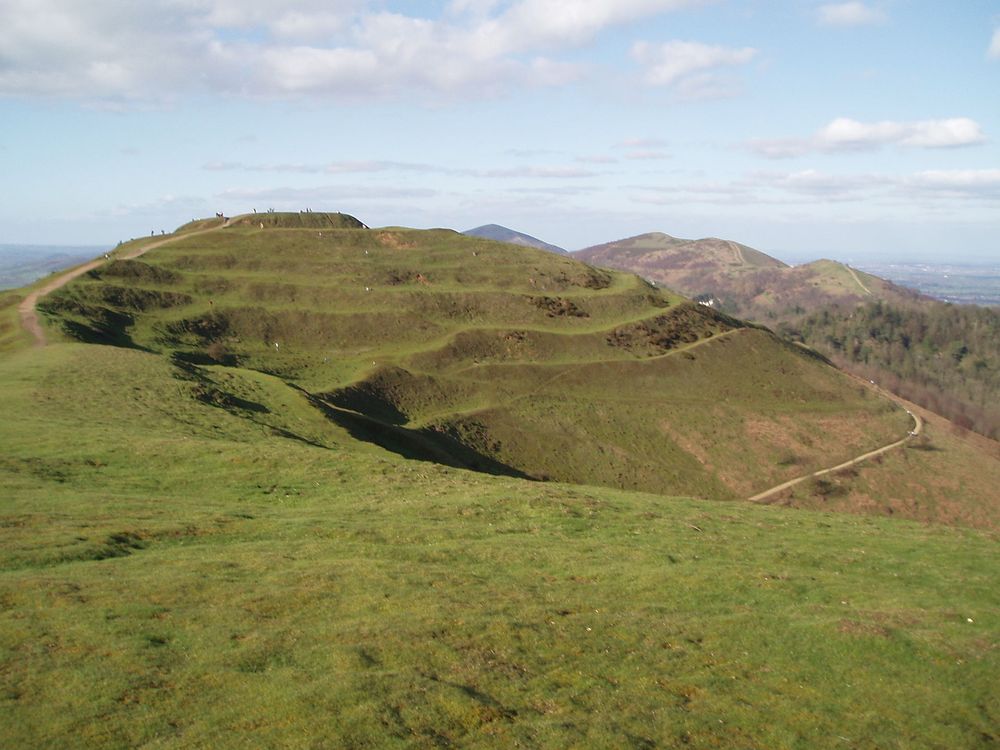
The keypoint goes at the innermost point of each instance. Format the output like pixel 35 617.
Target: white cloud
pixel 647 155
pixel 295 198
pixel 637 142
pixel 958 182
pixel 846 134
pixel 371 167
pixel 941 189
pixel 994 51
pixel 542 171
pixel 532 23
pixel 676 62
pixel 119 50
pixel 850 14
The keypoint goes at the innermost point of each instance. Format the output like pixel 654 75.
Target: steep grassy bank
pixel 198 558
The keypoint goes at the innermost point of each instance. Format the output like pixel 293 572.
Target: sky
pixel 862 131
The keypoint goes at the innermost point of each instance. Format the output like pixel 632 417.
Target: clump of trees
pixel 944 357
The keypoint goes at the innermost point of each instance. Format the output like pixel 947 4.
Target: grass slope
pixel 195 557
pixel 935 354
pixel 485 355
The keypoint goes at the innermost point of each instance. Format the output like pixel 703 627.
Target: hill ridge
pixel 440 342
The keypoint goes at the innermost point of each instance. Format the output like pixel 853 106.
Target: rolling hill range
pixel 940 356
pixel 743 281
pixel 237 511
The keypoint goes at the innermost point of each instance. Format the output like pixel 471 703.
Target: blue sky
pixel 856 130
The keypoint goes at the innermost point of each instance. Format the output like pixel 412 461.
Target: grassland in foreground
pixel 180 571
pixel 176 576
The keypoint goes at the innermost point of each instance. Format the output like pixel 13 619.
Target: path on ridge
pixel 738 252
pixel 858 279
pixel 918 426
pixel 28 307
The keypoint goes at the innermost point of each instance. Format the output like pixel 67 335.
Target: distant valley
pixel 964 284
pixel 22 264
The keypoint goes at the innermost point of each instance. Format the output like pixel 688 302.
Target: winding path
pixel 918 426
pixel 858 279
pixel 738 252
pixel 28 307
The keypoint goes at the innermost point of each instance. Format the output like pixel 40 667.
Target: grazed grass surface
pixel 180 573
pixel 197 551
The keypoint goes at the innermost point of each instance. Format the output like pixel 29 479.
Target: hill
pixel 503 234
pixel 212 541
pixel 197 551
pixel 743 281
pixel 485 355
pixel 908 344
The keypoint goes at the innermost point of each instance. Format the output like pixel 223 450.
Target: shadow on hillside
pixel 108 329
pixel 420 445
pixel 89 324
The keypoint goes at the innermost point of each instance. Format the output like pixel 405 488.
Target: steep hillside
pixel 943 356
pixel 866 324
pixel 503 234
pixel 485 355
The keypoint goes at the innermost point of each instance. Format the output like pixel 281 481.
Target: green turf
pixel 198 551
pixel 176 573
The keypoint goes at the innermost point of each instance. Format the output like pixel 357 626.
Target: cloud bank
pixel 157 49
pixel 844 134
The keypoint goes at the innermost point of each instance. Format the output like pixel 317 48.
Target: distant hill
pixel 942 358
pixel 503 234
pixel 744 281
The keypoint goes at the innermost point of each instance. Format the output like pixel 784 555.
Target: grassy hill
pixel 488 356
pixel 174 574
pixel 862 322
pixel 198 551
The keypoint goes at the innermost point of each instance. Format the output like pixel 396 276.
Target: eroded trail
pixel 857 278
pixel 918 426
pixel 28 307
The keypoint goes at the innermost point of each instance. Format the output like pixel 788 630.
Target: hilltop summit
pixel 504 234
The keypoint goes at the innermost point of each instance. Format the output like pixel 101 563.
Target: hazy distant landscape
pixel 22 264
pixel 965 284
